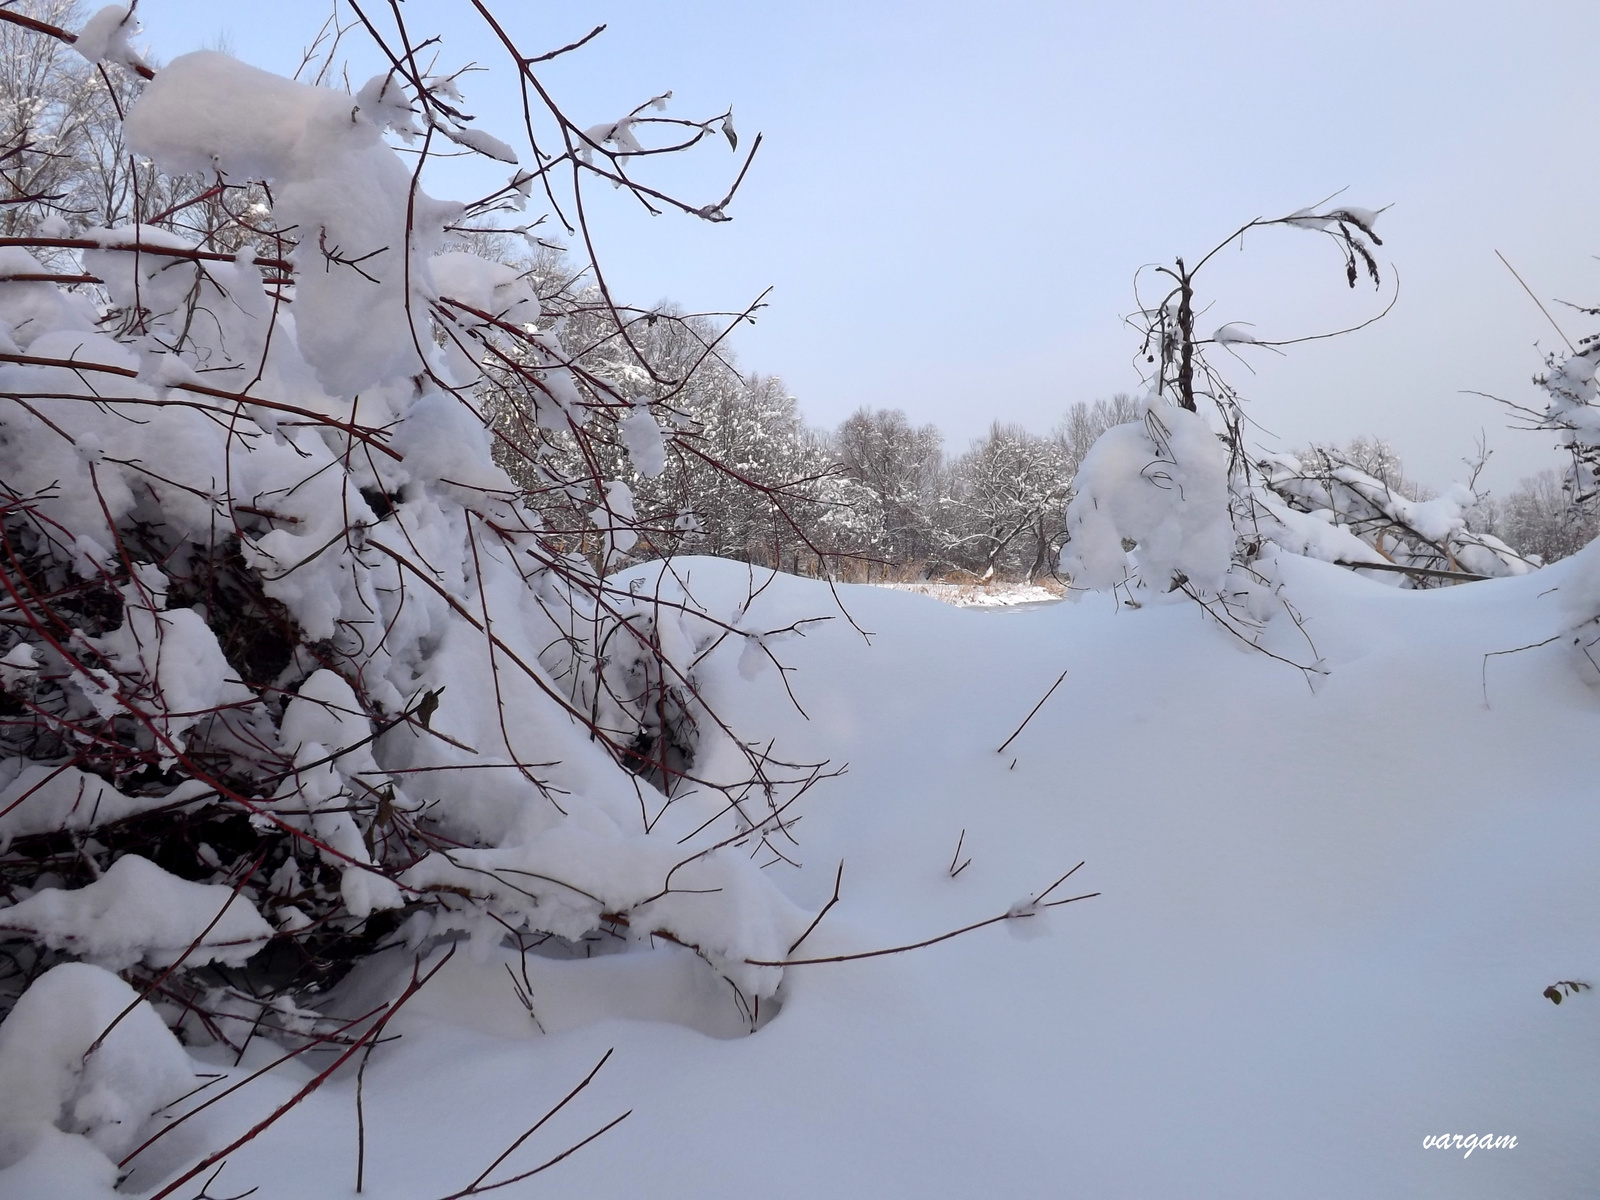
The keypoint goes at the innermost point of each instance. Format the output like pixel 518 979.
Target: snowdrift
pixel 1326 921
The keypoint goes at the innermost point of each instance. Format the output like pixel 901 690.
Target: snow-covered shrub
pixel 293 668
pixel 1175 492
pixel 1360 519
pixel 1166 510
pixel 1572 409
pixel 1151 505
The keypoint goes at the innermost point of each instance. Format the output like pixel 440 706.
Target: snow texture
pixel 49 1084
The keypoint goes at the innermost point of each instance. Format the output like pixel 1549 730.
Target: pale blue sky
pixel 952 198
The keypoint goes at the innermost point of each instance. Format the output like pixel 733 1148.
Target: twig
pixel 311 1086
pixel 1016 913
pixel 1573 349
pixel 817 920
pixel 960 841
pixel 476 1186
pixel 1483 671
pixel 1030 715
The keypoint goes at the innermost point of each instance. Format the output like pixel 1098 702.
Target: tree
pixel 1084 423
pixel 1148 493
pixel 741 475
pixel 1541 519
pixel 1005 502
pixel 903 466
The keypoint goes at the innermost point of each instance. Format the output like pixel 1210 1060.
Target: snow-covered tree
pixel 1541 518
pixel 1151 509
pixel 1003 508
pixel 994 510
pixel 738 475
pixel 903 466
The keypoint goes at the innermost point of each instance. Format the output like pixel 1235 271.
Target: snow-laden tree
pixel 739 475
pixel 1541 518
pixel 1002 510
pixel 1180 502
pixel 1571 409
pixel 293 667
pixel 994 510
pixel 903 466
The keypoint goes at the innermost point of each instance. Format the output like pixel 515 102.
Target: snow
pixel 1325 923
pixel 136 911
pixel 616 518
pixel 52 1084
pixel 1161 484
pixel 176 652
pixel 363 233
pixel 1322 916
pixel 38 798
pixel 104 37
pixel 981 595
pixel 1320 509
pixel 641 436
pixel 326 732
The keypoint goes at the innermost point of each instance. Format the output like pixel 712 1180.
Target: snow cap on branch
pixel 104 37
pixel 364 234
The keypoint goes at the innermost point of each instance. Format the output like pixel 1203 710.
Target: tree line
pixel 882 497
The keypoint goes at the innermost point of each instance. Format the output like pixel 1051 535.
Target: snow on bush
pixel 292 666
pixel 1170 503
pixel 138 911
pixel 1151 505
pixel 1324 507
pixel 1572 409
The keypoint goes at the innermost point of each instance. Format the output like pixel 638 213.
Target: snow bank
pixel 1281 991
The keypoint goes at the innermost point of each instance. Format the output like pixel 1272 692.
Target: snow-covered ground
pixel 1326 919
pixel 979 595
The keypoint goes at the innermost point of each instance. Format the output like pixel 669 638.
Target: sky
pixel 951 200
